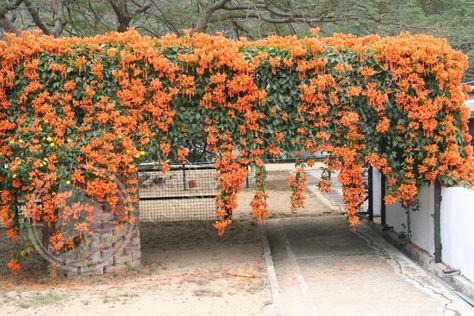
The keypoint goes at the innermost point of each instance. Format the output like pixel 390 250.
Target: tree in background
pixel 451 19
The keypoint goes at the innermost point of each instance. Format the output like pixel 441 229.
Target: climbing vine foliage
pixel 111 101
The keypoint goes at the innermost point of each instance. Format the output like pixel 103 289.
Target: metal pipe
pixel 247 182
pixel 370 208
pixel 407 209
pixel 157 167
pixel 177 197
pixel 437 222
pixel 184 177
pixel 382 202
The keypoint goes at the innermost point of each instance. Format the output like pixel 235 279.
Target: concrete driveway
pixel 325 268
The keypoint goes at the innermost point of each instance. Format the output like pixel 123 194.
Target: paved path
pixel 325 268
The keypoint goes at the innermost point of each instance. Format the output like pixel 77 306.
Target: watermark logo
pixel 88 229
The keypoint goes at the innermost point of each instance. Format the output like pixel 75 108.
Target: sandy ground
pixel 186 270
pixel 279 199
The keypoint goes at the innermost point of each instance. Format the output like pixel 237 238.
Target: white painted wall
pixel 376 180
pixel 457 231
pixel 457 223
pixel 422 221
pixel 396 217
pixel 419 224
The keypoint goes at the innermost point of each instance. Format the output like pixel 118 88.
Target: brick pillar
pixel 110 249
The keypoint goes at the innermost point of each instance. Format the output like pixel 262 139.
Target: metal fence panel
pixel 185 193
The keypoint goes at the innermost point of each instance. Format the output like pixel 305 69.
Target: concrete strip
pixel 299 276
pixel 327 202
pixel 272 278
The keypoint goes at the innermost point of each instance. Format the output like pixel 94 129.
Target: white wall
pixel 457 231
pixel 376 191
pixel 457 224
pixel 419 224
pixel 395 216
pixel 422 220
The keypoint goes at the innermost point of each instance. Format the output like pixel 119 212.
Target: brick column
pixel 110 250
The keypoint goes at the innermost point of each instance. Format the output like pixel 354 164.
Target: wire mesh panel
pixel 185 193
pixel 335 195
pixel 277 179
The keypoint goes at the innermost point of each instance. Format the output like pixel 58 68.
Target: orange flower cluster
pixel 14 265
pixel 102 104
pixel 259 202
pixel 232 175
pixel 297 184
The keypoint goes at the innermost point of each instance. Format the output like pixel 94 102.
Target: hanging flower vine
pixel 111 101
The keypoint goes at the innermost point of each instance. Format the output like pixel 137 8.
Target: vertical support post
pixel 184 177
pixel 382 202
pixel 437 222
pixel 247 184
pixel 370 208
pixel 407 210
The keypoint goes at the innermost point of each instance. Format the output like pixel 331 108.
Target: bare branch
pixel 36 18
pixel 124 17
pixel 291 19
pixel 206 16
pixel 59 19
pixel 167 21
pixel 8 26
pixel 142 9
pixel 5 23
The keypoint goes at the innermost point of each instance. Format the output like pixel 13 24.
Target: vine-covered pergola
pixel 108 102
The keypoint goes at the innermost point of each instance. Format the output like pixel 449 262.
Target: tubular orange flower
pixel 14 265
pixel 382 125
pixel 183 154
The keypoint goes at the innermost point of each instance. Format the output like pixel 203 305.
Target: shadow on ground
pixel 163 245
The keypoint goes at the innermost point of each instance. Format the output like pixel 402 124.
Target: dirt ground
pixel 279 196
pixel 185 266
